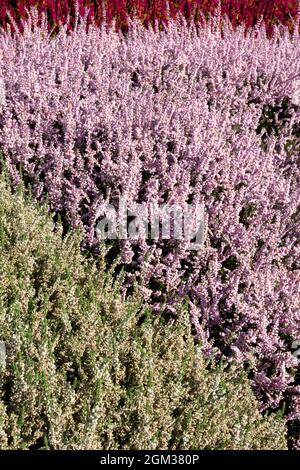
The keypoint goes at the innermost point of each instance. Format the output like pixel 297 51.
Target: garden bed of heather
pixel 86 369
pixel 172 116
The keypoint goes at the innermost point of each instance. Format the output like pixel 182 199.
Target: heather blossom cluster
pixel 174 117
pixel 2 92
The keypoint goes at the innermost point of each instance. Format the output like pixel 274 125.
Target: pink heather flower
pixel 175 117
pixel 296 92
pixel 2 92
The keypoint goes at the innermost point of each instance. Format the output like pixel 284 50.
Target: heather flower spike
pixel 296 92
pixel 2 92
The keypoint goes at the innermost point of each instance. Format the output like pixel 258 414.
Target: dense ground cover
pixel 175 116
pixel 88 370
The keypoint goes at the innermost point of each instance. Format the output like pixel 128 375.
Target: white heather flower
pixel 296 93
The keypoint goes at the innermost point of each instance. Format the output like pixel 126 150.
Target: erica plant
pixel 171 117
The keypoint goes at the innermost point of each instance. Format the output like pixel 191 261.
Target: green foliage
pixel 87 368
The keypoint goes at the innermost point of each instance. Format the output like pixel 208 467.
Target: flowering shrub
pixel 170 117
pixel 86 370
pixel 248 12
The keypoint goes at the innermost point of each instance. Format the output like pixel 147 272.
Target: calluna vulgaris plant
pixel 86 369
pixel 173 117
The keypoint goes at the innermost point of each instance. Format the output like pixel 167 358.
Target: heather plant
pixel 172 117
pixel 88 369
